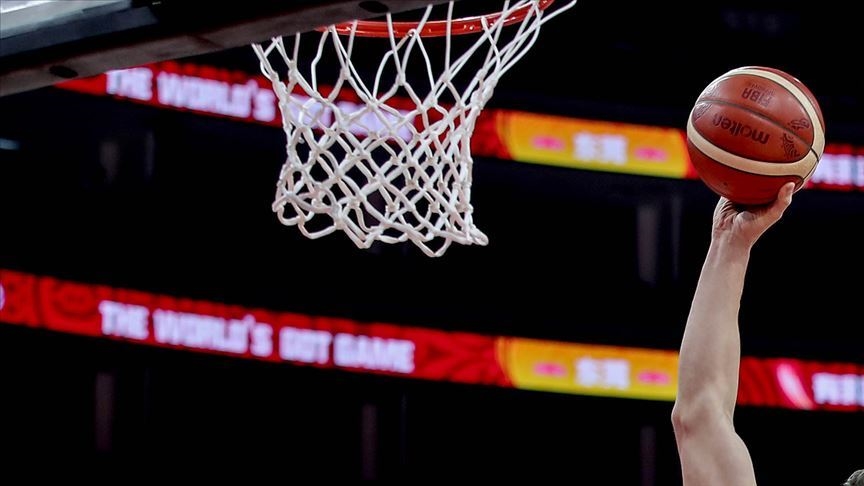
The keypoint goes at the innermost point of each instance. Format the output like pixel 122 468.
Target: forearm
pixel 711 349
pixel 708 363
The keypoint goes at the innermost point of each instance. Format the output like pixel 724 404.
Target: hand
pixel 743 225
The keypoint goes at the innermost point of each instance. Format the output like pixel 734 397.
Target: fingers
pixel 723 204
pixel 786 192
pixel 784 199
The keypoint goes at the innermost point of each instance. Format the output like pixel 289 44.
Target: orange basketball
pixel 752 130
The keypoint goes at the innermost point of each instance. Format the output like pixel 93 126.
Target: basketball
pixel 752 130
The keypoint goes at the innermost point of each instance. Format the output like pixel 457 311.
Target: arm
pixel 711 451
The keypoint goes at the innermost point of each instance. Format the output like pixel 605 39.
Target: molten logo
pixel 739 129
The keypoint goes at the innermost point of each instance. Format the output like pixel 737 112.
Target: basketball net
pixel 387 157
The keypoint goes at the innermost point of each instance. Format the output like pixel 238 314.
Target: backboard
pixel 43 42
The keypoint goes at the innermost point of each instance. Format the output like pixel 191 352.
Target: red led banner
pixel 188 87
pixel 503 134
pixel 209 327
pixel 383 348
pixel 804 385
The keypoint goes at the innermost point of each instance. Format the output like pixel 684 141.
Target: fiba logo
pixel 2 296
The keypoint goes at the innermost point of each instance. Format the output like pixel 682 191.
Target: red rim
pixel 434 28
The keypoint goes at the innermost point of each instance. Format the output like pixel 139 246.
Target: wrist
pixel 729 248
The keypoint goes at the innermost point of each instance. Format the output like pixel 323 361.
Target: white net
pixel 386 156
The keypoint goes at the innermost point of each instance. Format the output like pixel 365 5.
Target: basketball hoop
pixel 386 157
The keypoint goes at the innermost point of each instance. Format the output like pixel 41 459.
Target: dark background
pixel 187 212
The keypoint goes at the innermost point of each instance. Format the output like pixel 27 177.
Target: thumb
pixel 784 199
pixel 786 193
